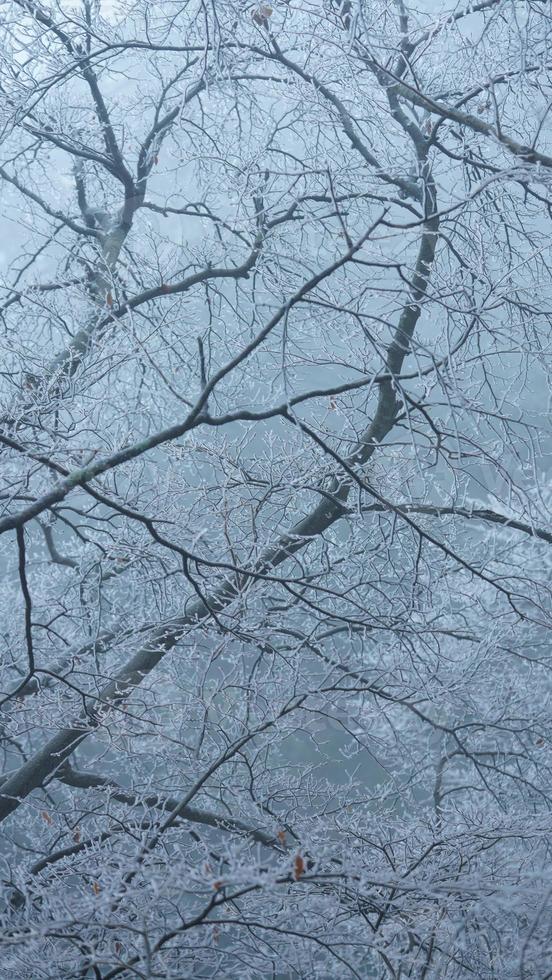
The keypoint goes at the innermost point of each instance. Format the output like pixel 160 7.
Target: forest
pixel 275 490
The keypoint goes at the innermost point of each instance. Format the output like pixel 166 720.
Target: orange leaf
pixel 96 888
pixel 217 885
pixel 298 867
pixel 109 300
pixel 46 816
pixel 281 835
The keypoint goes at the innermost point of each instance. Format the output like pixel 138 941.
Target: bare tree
pixel 275 506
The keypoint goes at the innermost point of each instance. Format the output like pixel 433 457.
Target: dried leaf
pixel 46 816
pixel 109 300
pixel 96 888
pixel 298 867
pixel 281 835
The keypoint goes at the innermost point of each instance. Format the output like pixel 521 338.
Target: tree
pixel 275 518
